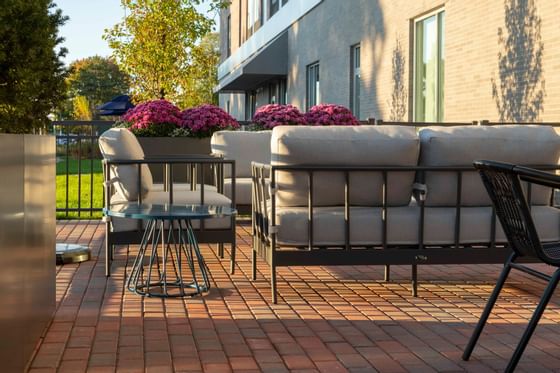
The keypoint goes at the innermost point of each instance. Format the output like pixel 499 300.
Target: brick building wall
pixel 327 32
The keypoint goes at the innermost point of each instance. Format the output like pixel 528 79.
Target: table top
pixel 133 210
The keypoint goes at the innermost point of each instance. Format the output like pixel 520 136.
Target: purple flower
pixel 270 116
pixel 330 115
pixel 152 113
pixel 206 119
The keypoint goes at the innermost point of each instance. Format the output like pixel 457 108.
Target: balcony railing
pixel 79 175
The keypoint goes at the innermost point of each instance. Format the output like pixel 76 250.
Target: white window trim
pixel 434 12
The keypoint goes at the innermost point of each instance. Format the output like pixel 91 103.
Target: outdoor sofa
pixel 127 178
pixel 388 195
pixel 244 147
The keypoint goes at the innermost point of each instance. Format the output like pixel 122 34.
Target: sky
pixel 88 20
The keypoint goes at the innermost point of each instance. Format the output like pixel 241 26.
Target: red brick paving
pixel 332 319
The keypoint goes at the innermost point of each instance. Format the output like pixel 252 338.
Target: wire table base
pixel 168 250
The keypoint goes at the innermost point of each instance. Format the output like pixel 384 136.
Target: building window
pixel 313 85
pixel 355 81
pixel 250 104
pixel 284 2
pixel 429 68
pixel 273 6
pixel 283 92
pixel 228 30
pixel 254 16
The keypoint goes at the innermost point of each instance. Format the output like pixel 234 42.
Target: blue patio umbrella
pixel 117 106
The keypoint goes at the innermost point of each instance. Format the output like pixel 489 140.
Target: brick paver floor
pixel 328 319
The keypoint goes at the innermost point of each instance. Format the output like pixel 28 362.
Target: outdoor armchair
pixel 503 182
pixel 127 178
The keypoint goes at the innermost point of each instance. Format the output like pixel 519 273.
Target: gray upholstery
pixel 344 146
pixel 403 225
pixel 121 144
pixel 461 145
pixel 243 190
pixel 180 196
pixel 244 147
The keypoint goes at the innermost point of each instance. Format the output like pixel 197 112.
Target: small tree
pixel 203 76
pixel 97 80
pixel 519 92
pixel 155 42
pixel 31 72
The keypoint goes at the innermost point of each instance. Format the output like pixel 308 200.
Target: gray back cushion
pixel 244 147
pixel 121 144
pixel 344 146
pixel 461 145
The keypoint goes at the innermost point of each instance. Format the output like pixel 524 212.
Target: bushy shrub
pixel 330 115
pixel 204 120
pixel 270 116
pixel 153 118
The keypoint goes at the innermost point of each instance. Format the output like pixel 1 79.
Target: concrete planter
pixel 27 245
pixel 157 146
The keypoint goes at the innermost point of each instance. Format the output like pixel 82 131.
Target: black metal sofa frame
pixel 265 230
pixel 197 170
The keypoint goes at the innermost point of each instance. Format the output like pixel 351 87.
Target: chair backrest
pixel 121 144
pixel 344 146
pixel 462 145
pixel 243 147
pixel 502 182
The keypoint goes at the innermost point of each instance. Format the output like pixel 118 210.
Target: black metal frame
pixel 196 166
pixel 265 230
pixel 64 139
pixel 503 183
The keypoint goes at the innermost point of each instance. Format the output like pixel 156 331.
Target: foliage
pixel 81 108
pixel 97 79
pixel 330 115
pixel 270 116
pixel 198 85
pixel 153 118
pixel 31 72
pixel 398 95
pixel 204 120
pixel 158 45
pixel 519 93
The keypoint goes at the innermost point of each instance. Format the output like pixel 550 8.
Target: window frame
pixel 440 42
pixel 355 71
pixel 257 24
pixel 314 68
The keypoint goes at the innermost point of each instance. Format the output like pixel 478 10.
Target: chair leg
pixel 487 310
pixel 387 273
pixel 534 321
pixel 273 283
pixel 414 280
pixel 221 250
pixel 232 263
pixel 254 259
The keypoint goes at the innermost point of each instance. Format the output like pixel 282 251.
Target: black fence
pixel 79 175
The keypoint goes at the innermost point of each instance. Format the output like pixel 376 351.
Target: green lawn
pixel 85 182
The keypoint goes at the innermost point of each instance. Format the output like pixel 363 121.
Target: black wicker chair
pixel 503 183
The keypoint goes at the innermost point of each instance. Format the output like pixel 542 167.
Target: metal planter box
pixel 158 146
pixel 27 242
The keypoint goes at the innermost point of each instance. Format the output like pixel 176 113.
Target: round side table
pixel 169 248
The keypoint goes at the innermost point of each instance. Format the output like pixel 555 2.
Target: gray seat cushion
pixel 344 146
pixel 461 145
pixel 243 190
pixel 179 197
pixel 402 225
